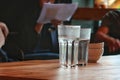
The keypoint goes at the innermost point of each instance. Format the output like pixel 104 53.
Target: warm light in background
pixel 107 3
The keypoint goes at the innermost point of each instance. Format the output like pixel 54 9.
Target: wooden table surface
pixel 107 68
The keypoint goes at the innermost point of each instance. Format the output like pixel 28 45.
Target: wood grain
pixel 90 13
pixel 107 68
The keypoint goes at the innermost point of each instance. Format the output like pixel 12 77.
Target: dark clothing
pixel 112 21
pixel 3 56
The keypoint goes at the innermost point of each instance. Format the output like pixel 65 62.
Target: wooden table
pixel 107 68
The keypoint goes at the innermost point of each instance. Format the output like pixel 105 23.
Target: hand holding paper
pixel 60 12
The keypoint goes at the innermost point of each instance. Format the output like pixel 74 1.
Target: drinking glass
pixel 67 34
pixel 82 45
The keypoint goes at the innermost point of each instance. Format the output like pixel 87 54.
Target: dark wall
pixel 17 12
pixel 20 17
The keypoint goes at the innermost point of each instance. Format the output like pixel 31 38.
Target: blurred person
pixel 3 35
pixel 100 4
pixel 39 26
pixel 25 32
pixel 109 32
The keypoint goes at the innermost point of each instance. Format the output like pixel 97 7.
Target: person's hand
pixel 56 22
pixel 38 27
pixel 114 45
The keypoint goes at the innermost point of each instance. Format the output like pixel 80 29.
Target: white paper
pixel 62 12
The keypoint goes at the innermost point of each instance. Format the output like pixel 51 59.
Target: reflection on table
pixel 107 68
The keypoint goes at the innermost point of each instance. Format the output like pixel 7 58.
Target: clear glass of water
pixel 83 42
pixel 67 36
